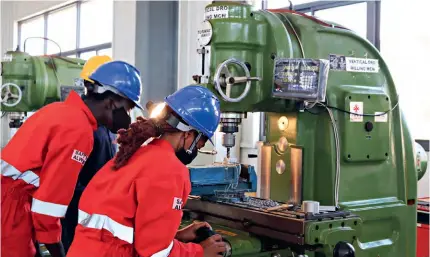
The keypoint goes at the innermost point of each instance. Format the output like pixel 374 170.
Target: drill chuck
pixel 228 140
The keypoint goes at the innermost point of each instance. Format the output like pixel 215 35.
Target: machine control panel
pixel 302 79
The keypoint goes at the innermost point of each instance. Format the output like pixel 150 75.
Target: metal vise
pixel 208 179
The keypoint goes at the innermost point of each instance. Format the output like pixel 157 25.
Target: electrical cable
pixel 337 139
pixel 297 36
pixel 44 38
pixel 337 149
pixel 365 115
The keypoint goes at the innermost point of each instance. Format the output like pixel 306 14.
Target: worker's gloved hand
pixel 213 246
pixel 188 233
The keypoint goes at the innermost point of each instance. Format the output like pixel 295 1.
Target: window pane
pixel 276 4
pixel 256 4
pixel 62 29
pixel 352 16
pixel 72 56
pixel 97 22
pixel 107 51
pixel 87 55
pixel 407 59
pixel 33 28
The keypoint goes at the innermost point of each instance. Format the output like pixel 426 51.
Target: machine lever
pixel 234 80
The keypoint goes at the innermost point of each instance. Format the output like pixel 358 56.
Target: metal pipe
pixel 296 176
pixel 265 154
pixel 262 133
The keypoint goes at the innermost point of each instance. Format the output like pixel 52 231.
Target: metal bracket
pixel 204 64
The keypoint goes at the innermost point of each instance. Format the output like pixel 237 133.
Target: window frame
pixel 78 50
pixel 373 14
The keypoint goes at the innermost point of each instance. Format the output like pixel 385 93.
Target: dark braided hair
pixel 132 139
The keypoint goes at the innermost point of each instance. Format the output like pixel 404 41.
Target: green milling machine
pixel 338 167
pixel 31 82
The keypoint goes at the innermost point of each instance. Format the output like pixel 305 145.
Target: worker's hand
pixel 188 233
pixel 213 246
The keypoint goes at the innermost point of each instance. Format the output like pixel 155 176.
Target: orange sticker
pixel 223 232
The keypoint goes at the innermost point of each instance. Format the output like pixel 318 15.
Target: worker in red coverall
pixel 133 205
pixel 41 163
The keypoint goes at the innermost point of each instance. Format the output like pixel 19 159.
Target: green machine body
pixel 334 130
pixel 31 82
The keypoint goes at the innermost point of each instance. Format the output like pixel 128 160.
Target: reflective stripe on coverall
pixel 39 167
pixel 137 209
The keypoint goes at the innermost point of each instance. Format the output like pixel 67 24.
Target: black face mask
pixel 120 120
pixel 184 157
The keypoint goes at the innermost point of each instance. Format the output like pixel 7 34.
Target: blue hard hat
pixel 121 78
pixel 198 107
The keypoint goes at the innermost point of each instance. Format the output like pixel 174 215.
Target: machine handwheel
pixel 7 95
pixel 229 81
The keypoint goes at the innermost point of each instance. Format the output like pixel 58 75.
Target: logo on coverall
pixel 79 157
pixel 177 203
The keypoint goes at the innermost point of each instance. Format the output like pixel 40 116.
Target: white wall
pixel 124 31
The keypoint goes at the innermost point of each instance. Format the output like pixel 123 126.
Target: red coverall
pixel 39 168
pixel 136 210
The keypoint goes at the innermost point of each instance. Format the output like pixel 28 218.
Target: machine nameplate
pixel 300 78
pixel 353 64
pixel 216 12
pixel 362 65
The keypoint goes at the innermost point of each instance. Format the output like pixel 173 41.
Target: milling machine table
pixel 286 225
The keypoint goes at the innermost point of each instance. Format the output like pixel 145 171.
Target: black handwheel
pixel 202 234
pixel 343 249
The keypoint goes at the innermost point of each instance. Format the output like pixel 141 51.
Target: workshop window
pixel 61 25
pixel 77 28
pixel 405 49
pixel 33 28
pixel 87 55
pixel 353 17
pixel 107 51
pixel 96 23
pixel 278 4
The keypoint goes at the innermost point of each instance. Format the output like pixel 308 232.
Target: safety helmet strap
pixel 173 121
pixel 100 89
pixel 195 141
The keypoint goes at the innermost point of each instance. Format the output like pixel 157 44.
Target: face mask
pixel 184 157
pixel 120 120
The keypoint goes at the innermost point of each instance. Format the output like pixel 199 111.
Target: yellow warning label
pixel 223 232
